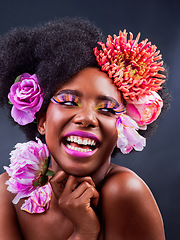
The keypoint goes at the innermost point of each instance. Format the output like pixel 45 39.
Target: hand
pixel 75 199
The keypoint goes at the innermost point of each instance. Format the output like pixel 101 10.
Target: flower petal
pixel 128 137
pixel 21 117
pixel 39 200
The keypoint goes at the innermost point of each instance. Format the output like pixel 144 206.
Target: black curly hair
pixel 56 52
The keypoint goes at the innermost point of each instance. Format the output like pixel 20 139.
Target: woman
pixel 82 100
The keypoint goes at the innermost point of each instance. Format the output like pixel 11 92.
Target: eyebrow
pixel 68 91
pixel 107 98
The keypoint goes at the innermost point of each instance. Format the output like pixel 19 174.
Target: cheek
pixel 55 121
pixel 110 133
pixel 55 116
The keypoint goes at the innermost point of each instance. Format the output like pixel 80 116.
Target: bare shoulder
pixel 9 227
pixel 122 182
pixel 4 193
pixel 128 208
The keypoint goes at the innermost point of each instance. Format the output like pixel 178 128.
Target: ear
pixel 41 122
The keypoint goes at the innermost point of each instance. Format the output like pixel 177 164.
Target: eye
pixel 66 100
pixel 107 110
pixel 106 107
pixel 69 103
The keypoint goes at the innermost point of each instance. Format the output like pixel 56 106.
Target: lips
pixel 80 144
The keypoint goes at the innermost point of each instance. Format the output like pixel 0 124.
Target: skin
pixel 99 200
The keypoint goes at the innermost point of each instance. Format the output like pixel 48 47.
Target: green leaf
pixel 50 173
pixel 17 79
pixel 41 181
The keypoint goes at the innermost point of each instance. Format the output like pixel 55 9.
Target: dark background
pixel 158 164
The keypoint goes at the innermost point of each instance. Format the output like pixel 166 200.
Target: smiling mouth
pixel 80 144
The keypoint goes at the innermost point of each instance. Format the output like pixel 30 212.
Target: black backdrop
pixel 158 20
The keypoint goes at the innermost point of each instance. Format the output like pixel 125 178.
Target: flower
pixel 29 164
pixel 146 109
pixel 39 200
pixel 133 67
pixel 128 137
pixel 26 96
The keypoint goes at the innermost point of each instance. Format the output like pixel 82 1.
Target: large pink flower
pixel 134 67
pixel 26 97
pixel 128 137
pixel 146 109
pixel 29 164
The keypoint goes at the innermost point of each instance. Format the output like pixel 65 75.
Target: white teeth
pixel 89 142
pixel 79 140
pixel 78 149
pixel 84 142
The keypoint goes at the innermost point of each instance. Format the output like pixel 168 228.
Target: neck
pixel 100 174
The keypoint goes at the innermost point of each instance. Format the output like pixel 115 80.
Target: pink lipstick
pixel 80 144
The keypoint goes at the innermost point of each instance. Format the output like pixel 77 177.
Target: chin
pixel 79 170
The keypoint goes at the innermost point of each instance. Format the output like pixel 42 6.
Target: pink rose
pixel 146 109
pixel 26 97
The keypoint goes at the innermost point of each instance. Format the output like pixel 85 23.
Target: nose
pixel 86 118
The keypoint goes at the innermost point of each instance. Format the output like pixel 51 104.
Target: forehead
pixel 93 82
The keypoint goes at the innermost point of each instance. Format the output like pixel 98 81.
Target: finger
pixel 90 194
pixel 95 198
pixel 73 182
pixel 81 189
pixel 58 182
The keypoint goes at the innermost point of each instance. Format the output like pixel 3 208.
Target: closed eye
pixel 69 103
pixel 110 107
pixel 107 110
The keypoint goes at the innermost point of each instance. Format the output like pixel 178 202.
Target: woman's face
pixel 80 123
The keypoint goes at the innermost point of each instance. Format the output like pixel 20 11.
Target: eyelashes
pixel 67 99
pixel 106 106
pixel 110 106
